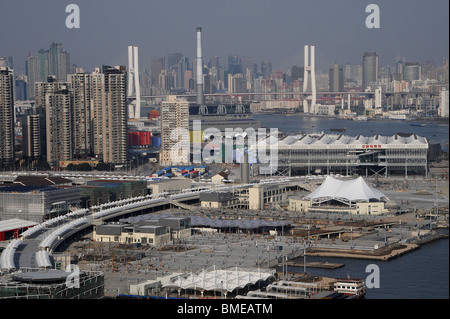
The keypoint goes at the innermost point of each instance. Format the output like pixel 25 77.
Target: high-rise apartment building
pixel 41 90
pixel 81 86
pixel 7 157
pixel 58 126
pixel 85 116
pixel 175 143
pixel 33 133
pixel 110 114
pixel 369 69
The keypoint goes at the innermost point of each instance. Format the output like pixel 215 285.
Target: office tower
pixel 6 118
pixel 369 69
pixel 309 71
pixel 336 78
pixel 199 68
pixel 134 88
pixel 109 105
pixel 81 86
pixel 58 62
pixel 58 126
pixel 411 71
pixel 175 144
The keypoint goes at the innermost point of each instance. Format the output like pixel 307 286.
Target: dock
pixel 315 264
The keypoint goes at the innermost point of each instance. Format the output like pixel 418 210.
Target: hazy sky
pixel 275 30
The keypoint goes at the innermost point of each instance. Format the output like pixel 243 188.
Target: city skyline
pixel 260 29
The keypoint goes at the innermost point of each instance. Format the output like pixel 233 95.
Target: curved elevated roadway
pixel 34 248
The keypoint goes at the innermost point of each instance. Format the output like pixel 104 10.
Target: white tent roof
pixel 352 190
pixel 218 279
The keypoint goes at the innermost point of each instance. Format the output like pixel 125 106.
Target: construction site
pixel 129 268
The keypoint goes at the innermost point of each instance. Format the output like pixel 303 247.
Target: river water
pixel 435 133
pixel 421 274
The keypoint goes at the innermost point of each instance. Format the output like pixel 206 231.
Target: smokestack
pixel 245 168
pixel 199 67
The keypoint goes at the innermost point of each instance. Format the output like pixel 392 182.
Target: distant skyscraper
pixel 234 65
pixel 58 62
pixel 411 71
pixel 266 68
pixel 21 88
pixel 336 78
pixel 348 72
pixel 156 66
pixel 175 143
pixel 6 118
pixel 237 83
pixel 36 68
pixel 369 69
pixel 296 72
pixel 54 61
